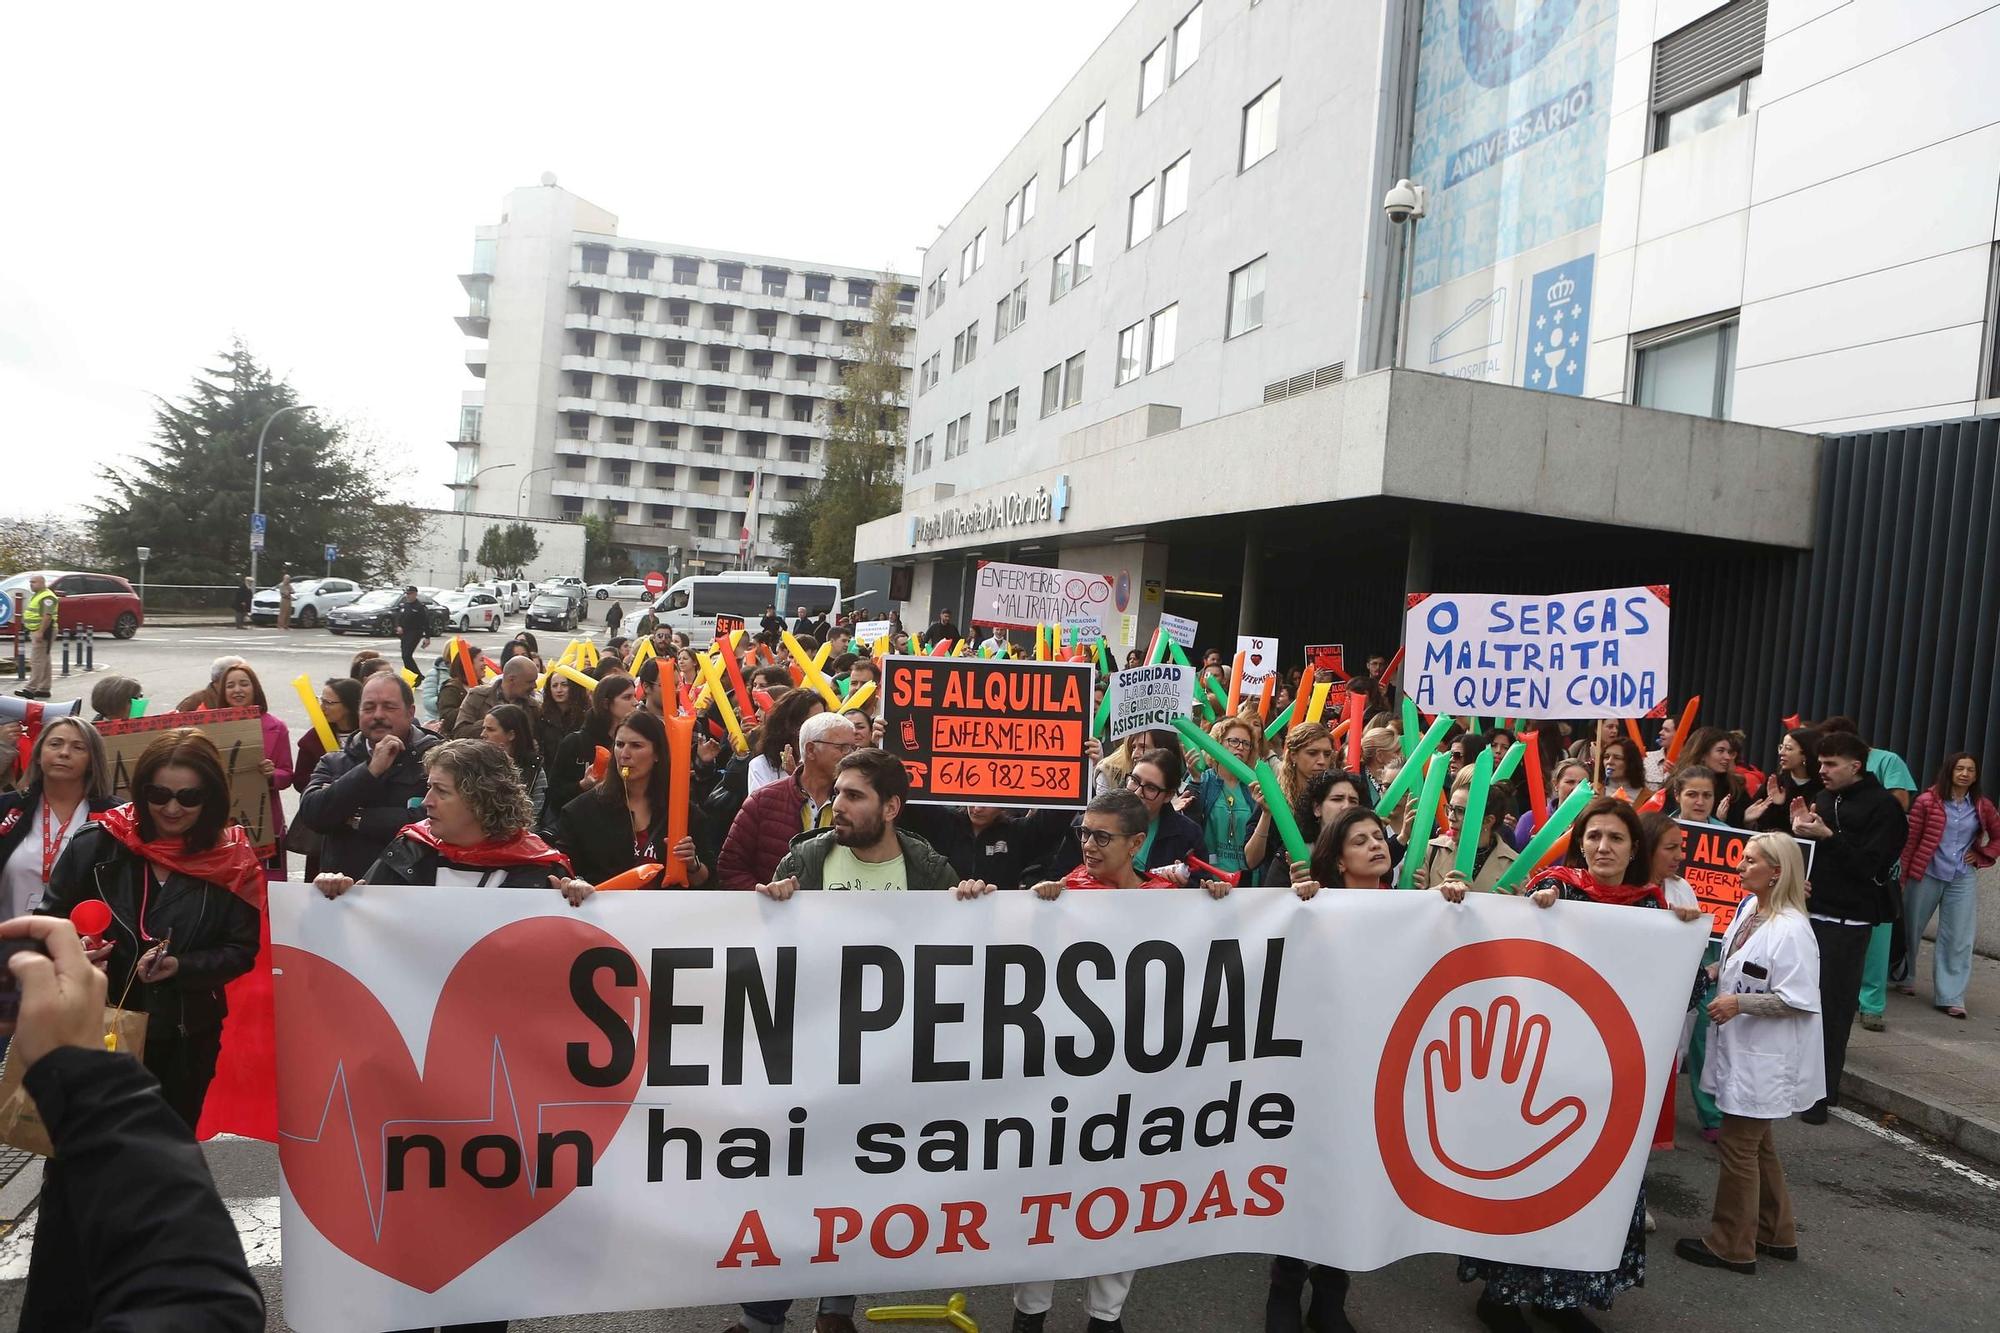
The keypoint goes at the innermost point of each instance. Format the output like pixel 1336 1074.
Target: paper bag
pixel 20 1122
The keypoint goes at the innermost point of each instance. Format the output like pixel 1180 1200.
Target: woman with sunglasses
pixel 623 820
pixel 68 781
pixel 186 893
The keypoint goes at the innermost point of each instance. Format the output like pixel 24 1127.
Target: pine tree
pixel 509 550
pixel 864 452
pixel 188 494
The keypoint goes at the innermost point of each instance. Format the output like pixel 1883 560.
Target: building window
pixel 1020 210
pixel 1688 369
pixel 572 506
pixel 1010 312
pixel 715 398
pixel 862 292
pixel 635 307
pixel 950 440
pixel 687 272
pixel 469 422
pixel 596 259
pixel 1140 212
pixel 920 454
pixel 638 266
pixel 1260 128
pixel 805 367
pixel 1072 157
pixel 1010 411
pixel 767 324
pixel 1990 375
pixel 965 264
pixel 1028 200
pixel 958 357
pixel 1131 350
pixel 1174 190
pixel 1093 136
pixel 586 303
pixel 576 425
pixel 628 349
pixel 934 294
pixel 1187 41
pixel 1052 390
pixel 1246 298
pixel 583 344
pixel 677 312
pixel 718 358
pixel 621 432
pixel 670 435
pixel 1706 73
pixel 1153 75
pixel 729 277
pixel 1073 380
pixel 819 287
pixel 621 472
pixel 993 428
pixel 1160 337
pixel 927 374
pixel 775 280
pixel 1063 273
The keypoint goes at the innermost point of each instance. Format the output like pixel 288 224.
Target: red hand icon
pixel 1461 1081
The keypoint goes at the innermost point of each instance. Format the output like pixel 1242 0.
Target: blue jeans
pixel 769 1316
pixel 1956 903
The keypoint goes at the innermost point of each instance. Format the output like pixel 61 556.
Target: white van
pixel 691 605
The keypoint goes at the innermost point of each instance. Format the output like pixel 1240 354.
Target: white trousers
pixel 1104 1296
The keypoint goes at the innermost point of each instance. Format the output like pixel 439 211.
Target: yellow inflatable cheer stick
pixel 815 679
pixel 858 698
pixel 718 692
pixel 573 676
pixel 310 698
pixel 951 1312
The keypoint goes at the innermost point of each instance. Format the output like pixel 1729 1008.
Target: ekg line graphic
pixel 338 1089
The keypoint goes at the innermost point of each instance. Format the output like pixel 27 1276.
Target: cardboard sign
pixel 1566 655
pixel 868 631
pixel 1330 658
pixel 1148 698
pixel 981 731
pixel 1024 596
pixel 238 733
pixel 726 626
pixel 1259 1075
pixel 1260 659
pixel 1180 629
pixel 1712 854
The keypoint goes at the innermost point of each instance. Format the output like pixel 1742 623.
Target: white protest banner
pixel 1024 596
pixel 1578 654
pixel 1260 659
pixel 1148 698
pixel 720 1097
pixel 1179 628
pixel 868 631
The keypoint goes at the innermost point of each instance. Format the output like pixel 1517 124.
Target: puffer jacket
pixel 929 871
pixel 343 790
pixel 1927 832
pixel 763 830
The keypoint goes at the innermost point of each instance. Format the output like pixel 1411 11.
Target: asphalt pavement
pixel 1897 1230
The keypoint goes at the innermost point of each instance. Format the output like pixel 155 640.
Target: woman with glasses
pixel 1228 811
pixel 623 820
pixel 1494 855
pixel 68 782
pixel 1114 768
pixel 1170 836
pixel 186 894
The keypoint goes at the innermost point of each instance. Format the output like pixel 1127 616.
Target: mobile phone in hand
pixel 10 988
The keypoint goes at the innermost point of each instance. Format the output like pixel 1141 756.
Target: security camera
pixel 1405 201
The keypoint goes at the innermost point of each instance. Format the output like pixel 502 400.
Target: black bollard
pixel 89 648
pixel 68 639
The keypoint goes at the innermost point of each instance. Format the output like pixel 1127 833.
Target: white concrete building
pixel 445 552
pixel 1775 212
pixel 682 393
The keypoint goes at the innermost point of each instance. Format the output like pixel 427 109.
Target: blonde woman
pixel 1228 811
pixel 1308 753
pixel 1114 768
pixel 1765 1057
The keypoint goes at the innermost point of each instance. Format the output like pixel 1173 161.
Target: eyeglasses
pixel 1455 811
pixel 188 798
pixel 1237 742
pixel 848 748
pixel 1099 837
pixel 1138 784
pixel 329 703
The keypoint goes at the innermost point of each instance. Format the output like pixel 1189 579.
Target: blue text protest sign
pixel 1563 655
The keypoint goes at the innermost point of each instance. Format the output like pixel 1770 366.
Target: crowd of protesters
pixel 558 775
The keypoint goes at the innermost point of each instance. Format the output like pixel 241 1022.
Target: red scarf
pixel 521 849
pixel 1621 895
pixel 231 863
pixel 1083 878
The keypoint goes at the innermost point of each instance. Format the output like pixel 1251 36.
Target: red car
pixel 102 602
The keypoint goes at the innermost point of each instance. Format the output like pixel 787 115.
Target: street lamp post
pixel 145 553
pixel 521 493
pixel 257 479
pixel 471 490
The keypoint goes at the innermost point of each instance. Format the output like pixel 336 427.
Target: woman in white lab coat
pixel 1764 1057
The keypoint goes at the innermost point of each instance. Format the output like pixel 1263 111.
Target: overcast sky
pixel 309 178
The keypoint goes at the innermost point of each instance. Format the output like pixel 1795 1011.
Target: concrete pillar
pixel 1417 559
pixel 1248 605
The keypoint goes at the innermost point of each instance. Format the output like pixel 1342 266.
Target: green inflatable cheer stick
pixel 1281 815
pixel 1475 812
pixel 1510 763
pixel 1413 767
pixel 1545 837
pixel 1412 726
pixel 1420 832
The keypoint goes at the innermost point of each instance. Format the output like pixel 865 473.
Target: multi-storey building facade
pixel 682 393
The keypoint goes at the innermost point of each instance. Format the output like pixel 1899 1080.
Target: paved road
pixel 1891 1238
pixel 1896 1234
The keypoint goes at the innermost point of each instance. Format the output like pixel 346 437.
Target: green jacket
pixel 928 870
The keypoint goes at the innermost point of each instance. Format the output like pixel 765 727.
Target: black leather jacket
pixel 342 788
pixel 215 933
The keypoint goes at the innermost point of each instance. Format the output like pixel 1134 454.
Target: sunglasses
pixel 1100 837
pixel 188 798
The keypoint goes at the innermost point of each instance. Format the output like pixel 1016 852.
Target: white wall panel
pixel 1689 274
pixel 1907 376
pixel 1699 180
pixel 1848 36
pixel 1938 293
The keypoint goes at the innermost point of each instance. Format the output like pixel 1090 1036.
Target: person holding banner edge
pixel 1605 864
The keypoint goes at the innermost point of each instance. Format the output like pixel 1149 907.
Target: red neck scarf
pixel 520 849
pixel 231 863
pixel 1621 895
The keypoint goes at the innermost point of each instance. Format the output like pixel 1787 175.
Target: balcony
pixel 475 361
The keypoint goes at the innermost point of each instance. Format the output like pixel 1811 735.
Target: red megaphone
pixel 91 917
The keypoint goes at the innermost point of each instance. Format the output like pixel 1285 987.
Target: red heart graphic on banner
pixel 496 1097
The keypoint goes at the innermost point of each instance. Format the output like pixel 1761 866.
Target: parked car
pixel 552 610
pixel 473 610
pixel 103 603
pixel 504 591
pixel 374 613
pixel 625 590
pixel 312 599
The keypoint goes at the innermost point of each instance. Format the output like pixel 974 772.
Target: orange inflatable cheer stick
pixel 1236 684
pixel 600 765
pixel 638 877
pixel 1357 703
pixel 1681 730
pixel 1264 697
pixel 680 782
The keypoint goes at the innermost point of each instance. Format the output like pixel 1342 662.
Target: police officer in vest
pixel 38 618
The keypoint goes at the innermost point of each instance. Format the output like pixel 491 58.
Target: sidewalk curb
pixel 1963 1130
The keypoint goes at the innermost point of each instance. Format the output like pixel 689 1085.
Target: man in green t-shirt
pixel 864 849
